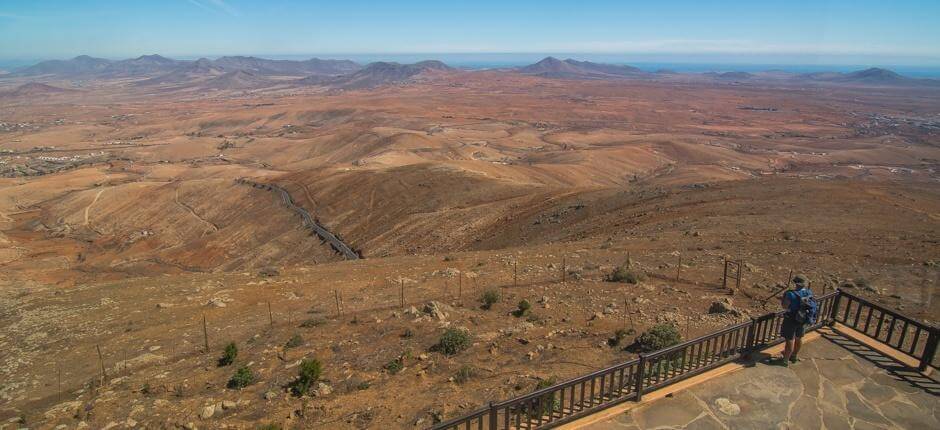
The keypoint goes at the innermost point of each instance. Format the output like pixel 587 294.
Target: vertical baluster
pixel 592 393
pixel 894 320
pixel 848 305
pixel 581 402
pixel 907 326
pixel 914 341
pixel 868 320
pixel 881 320
pixel 858 312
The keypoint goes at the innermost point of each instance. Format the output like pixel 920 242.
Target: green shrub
pixel 523 308
pixel 408 334
pixel 395 366
pixel 489 298
pixel 294 341
pixel 464 374
pixel 626 275
pixel 453 341
pixel 228 357
pixel 242 378
pixel 271 426
pixel 549 402
pixel 312 322
pixel 308 374
pixel 658 337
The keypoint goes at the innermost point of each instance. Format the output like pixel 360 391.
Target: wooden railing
pixel 561 403
pixel 900 332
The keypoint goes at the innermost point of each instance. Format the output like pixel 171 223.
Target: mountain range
pixel 240 72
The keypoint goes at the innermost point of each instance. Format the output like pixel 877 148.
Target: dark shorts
pixel 790 329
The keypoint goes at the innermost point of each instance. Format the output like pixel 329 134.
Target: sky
pixel 767 31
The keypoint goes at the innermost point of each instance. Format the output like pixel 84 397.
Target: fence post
pixel 930 349
pixel 493 423
pixel 640 375
pixel 749 339
pixel 835 307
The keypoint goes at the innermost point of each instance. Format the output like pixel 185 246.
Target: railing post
pixel 835 307
pixel 749 339
pixel 930 349
pixel 641 371
pixel 493 422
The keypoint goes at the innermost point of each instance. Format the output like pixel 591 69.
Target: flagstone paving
pixel 839 384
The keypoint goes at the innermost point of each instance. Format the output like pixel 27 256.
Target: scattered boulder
pixel 723 306
pixel 207 412
pixel 437 310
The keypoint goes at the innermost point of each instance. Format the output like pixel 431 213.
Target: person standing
pixel 801 310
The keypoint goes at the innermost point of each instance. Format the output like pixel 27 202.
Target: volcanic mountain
pixel 380 73
pixel 78 66
pixel 143 65
pixel 551 67
pixel 186 73
pixel 237 80
pixel 262 66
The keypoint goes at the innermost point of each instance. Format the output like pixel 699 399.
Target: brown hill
pixel 33 89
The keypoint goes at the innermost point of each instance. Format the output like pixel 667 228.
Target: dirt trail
pixel 189 209
pixel 88 208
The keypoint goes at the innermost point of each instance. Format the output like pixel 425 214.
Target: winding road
pixel 336 243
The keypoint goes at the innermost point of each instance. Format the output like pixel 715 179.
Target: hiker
pixel 801 310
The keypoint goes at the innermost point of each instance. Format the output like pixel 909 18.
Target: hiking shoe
pixel 794 359
pixel 779 361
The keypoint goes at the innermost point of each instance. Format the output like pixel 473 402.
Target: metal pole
pixel 104 375
pixel 205 332
pixel 564 264
pixel 270 314
pixel 678 267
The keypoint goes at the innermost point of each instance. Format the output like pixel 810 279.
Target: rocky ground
pixel 536 189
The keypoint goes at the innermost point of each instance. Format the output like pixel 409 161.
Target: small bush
pixel 657 337
pixel 408 334
pixel 242 378
pixel 228 357
pixel 464 374
pixel 145 389
pixel 618 336
pixel 453 341
pixel 489 298
pixel 364 385
pixel 523 308
pixel 312 322
pixel 626 275
pixel 294 341
pixel 308 374
pixel 395 366
pixel 271 426
pixel 548 402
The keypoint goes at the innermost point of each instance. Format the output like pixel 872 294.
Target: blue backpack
pixel 803 306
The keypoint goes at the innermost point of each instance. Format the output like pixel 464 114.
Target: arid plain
pixel 123 230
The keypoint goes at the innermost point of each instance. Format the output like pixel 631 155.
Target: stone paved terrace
pixel 840 384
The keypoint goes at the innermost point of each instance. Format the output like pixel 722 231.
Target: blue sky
pixel 857 31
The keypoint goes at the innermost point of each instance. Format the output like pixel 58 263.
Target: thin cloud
pixel 214 6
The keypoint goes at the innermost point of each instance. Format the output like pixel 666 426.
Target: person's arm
pixel 785 300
